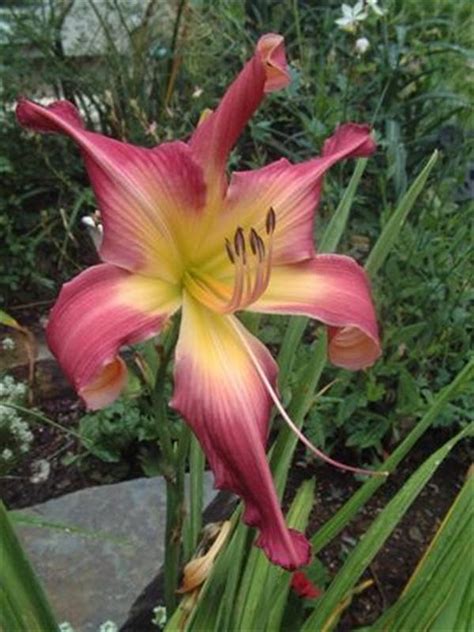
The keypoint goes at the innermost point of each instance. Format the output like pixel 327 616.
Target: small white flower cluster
pixel 353 16
pixel 159 616
pixel 108 626
pixel 15 433
pixel 40 469
pixel 11 390
pixel 8 344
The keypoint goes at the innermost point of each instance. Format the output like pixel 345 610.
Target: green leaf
pixel 439 594
pixel 346 579
pixel 334 230
pixel 23 603
pixel 261 578
pixel 394 225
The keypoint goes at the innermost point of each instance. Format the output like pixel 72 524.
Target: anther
pixel 253 239
pixel 270 221
pixel 230 253
pixel 239 243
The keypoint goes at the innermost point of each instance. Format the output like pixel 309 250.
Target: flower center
pixel 251 255
pixel 252 259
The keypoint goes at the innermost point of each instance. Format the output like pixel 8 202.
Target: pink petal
pixel 335 290
pixel 98 312
pixel 217 133
pixel 148 197
pixel 293 191
pixel 220 394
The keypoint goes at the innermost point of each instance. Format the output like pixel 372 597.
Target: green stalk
pixel 174 459
pixel 24 605
pixel 174 520
pixel 193 523
pixel 389 235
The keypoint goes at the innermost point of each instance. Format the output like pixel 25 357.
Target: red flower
pixel 178 234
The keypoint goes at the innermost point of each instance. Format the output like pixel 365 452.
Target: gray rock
pixel 96 577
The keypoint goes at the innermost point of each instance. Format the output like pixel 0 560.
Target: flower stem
pixel 174 520
pixel 193 523
pixel 174 456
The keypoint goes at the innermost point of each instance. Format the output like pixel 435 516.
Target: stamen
pixel 238 287
pixel 229 250
pixel 260 248
pixel 253 239
pixel 239 244
pixel 270 221
pixel 324 457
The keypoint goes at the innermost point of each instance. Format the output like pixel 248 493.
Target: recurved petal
pixel 220 394
pixel 148 198
pixel 293 191
pixel 335 290
pixel 99 311
pixel 218 131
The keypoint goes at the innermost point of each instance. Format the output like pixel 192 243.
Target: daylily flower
pixel 177 235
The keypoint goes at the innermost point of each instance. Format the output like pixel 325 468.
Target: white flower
pixel 362 45
pixel 108 626
pixel 159 616
pixel 65 626
pixel 374 5
pixel 6 454
pixel 41 469
pixel 8 344
pixel 351 16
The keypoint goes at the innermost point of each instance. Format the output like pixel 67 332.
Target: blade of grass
pixel 334 230
pixel 435 593
pixel 278 580
pixel 285 444
pixel 377 534
pixel 21 591
pixel 193 524
pixel 390 233
pixel 260 575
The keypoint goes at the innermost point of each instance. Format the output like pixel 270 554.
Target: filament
pixel 321 455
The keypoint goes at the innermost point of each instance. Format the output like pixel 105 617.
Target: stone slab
pixel 90 580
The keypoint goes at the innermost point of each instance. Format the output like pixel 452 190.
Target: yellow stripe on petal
pixel 223 398
pixel 98 312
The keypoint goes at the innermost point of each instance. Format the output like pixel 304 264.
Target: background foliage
pixel 412 85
